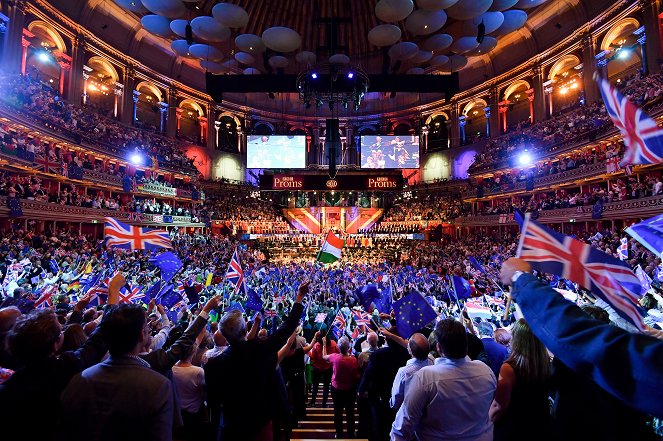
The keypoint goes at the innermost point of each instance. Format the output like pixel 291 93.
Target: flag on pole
pixel 362 318
pixel 131 237
pixel 340 320
pixel 461 287
pixel 476 309
pixel 320 317
pixel 642 136
pixel 235 274
pixel 412 313
pixel 168 263
pixel 644 279
pixel 623 249
pixel 649 233
pixel 477 266
pixel 605 276
pixel 331 249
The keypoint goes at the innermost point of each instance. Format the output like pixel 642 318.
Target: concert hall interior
pixel 272 220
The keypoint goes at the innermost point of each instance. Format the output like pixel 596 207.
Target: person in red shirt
pixel 322 370
pixel 344 385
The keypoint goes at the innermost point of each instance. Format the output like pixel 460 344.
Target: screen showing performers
pixel 390 151
pixel 264 151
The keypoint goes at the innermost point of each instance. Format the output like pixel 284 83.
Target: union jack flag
pixel 131 295
pixel 362 318
pixel 270 313
pixel 320 317
pixel 42 162
pixel 130 237
pixel 340 320
pixel 45 299
pixel 642 136
pixel 606 277
pixel 99 292
pixel 235 274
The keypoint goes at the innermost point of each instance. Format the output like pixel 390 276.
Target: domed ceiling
pixel 182 39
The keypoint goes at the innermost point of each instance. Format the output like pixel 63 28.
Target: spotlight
pixel 525 158
pixel 314 76
pixel 624 54
pixel 44 56
pixel 136 158
pixel 351 75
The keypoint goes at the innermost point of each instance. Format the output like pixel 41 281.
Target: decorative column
pixel 86 76
pixel 530 98
pixel 217 126
pixel 173 120
pixel 486 111
pixel 495 116
pixel 64 61
pixel 424 135
pixel 25 44
pixel 134 111
pixel 202 120
pixel 240 138
pixel 163 115
pixel 503 109
pixel 539 98
pixel 212 138
pixel 178 116
pixel 126 110
pixel 75 85
pixel 13 47
pixel 462 121
pixel 652 50
pixel 589 85
pixel 118 91
pixel 454 123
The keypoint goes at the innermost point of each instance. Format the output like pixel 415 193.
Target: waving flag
pixel 367 295
pixel 331 249
pixel 645 280
pixel 132 237
pixel 623 249
pixel 606 277
pixel 131 295
pixel 649 233
pixel 235 274
pixel 320 317
pixel 461 287
pixel 168 263
pixel 477 266
pixel 99 293
pixel 340 320
pixel 412 313
pixel 476 309
pixel 643 138
pixel 361 318
pixel 45 299
pixel 254 302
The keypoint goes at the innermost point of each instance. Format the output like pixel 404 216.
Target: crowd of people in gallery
pixel 192 369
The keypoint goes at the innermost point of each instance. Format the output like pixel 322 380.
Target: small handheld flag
pixel 331 249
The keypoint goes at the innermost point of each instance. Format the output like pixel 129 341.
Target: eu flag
pixel 461 287
pixel 475 263
pixel 14 205
pixel 169 297
pixel 367 295
pixel 412 313
pixel 254 302
pixel 383 303
pixel 235 306
pixel 649 233
pixel 168 263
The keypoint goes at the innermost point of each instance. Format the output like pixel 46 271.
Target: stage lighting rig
pixel 332 83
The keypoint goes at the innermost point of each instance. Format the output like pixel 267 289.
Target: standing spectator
pixel 344 385
pixel 495 352
pixel 419 349
pixel 189 381
pixel 322 370
pixel 451 399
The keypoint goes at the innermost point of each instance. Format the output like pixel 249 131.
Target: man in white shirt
pixel 450 400
pixel 418 348
pixel 220 345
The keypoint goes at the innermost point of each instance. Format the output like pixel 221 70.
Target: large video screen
pixel 276 151
pixel 390 151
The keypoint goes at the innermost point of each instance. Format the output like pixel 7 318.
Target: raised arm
pixel 278 339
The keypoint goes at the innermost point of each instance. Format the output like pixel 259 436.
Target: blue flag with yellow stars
pixel 413 312
pixel 168 263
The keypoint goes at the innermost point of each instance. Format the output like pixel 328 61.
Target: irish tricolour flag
pixel 331 249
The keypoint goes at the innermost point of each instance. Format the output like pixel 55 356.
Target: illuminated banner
pixel 286 182
pixel 377 182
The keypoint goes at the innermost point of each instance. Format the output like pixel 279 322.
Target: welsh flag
pixel 331 249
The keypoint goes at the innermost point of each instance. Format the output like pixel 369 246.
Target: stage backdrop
pixel 317 219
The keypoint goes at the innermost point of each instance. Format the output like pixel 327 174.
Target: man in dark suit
pixel 376 385
pixel 121 398
pixel 495 352
pixel 241 382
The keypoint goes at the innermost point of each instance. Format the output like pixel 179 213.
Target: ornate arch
pixel 435 115
pixel 475 103
pixel 514 86
pixel 231 116
pixel 265 123
pixel 105 65
pixel 566 62
pixel 39 25
pixel 197 107
pixel 151 87
pixel 626 25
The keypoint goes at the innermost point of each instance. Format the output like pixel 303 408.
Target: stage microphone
pixel 188 34
pixel 482 32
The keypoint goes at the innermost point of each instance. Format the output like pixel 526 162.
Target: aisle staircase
pixel 319 423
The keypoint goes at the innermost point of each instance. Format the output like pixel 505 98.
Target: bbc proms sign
pixel 391 182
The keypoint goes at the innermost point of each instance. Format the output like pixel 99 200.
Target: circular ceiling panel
pixel 206 52
pixel 439 60
pixel 456 63
pixel 230 15
pixel 468 9
pixel 415 71
pixel 436 5
pixel 422 22
pixel 464 44
pixel 165 8
pixel 251 71
pixel 502 5
pixel 132 5
pixel 156 24
pixel 179 27
pixel 513 20
pixel 306 57
pixel 437 42
pixel 403 51
pixel 244 58
pixel 278 61
pixel 209 29
pixel 491 20
pixel 525 4
pixel 281 39
pixel 230 64
pixel 487 45
pixel 393 10
pixel 213 67
pixel 250 43
pixel 422 56
pixel 384 35
pixel 339 59
pixel 181 48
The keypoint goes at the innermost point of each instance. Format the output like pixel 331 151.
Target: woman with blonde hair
pixel 520 409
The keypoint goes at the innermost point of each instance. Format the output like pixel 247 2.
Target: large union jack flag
pixel 131 295
pixel 235 274
pixel 45 164
pixel 642 136
pixel 340 320
pixel 45 299
pixel 606 277
pixel 132 237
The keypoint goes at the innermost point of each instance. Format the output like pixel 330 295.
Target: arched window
pixel 227 134
pixel 147 111
pixel 438 133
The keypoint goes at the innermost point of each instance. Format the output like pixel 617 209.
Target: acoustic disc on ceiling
pixel 403 51
pixel 393 10
pixel 502 5
pixel 206 52
pixel 178 26
pixel 435 5
pixel 526 4
pixel 251 71
pixel 422 56
pixel 213 67
pixel 513 20
pixel 306 57
pixel 439 60
pixel 437 42
pixel 281 39
pixel 250 43
pixel 456 62
pixel 384 35
pixel 464 44
pixel 415 71
pixel 488 44
pixel 468 9
pixel 156 25
pixel 422 22
pixel 132 5
pixel 209 29
pixel 278 61
pixel 230 15
pixel 181 48
pixel 491 20
pixel 245 58
pixel 339 59
pixel 165 8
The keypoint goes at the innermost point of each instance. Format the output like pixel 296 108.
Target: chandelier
pixel 332 84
